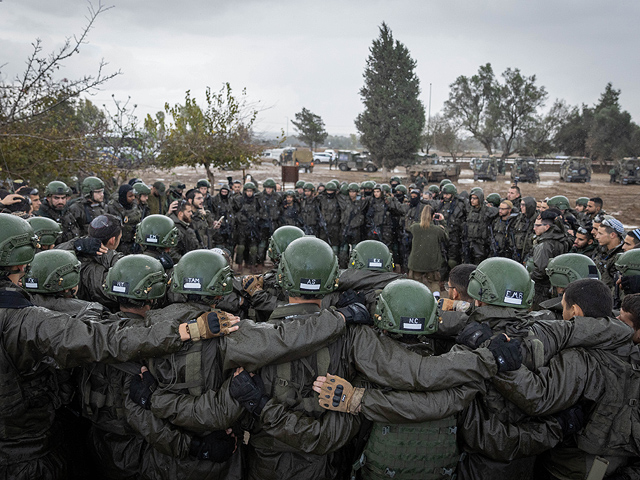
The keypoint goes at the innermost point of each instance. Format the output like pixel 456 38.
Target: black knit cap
pixel 104 227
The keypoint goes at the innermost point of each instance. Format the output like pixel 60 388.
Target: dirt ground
pixel 622 201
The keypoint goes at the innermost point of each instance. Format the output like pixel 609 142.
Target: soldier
pixel 90 205
pixel 581 207
pixel 352 221
pixel 142 192
pixel 453 212
pixel 203 185
pixel 549 243
pixel 126 209
pixel 202 220
pixel 310 210
pixel 236 188
pixel 157 235
pixel 563 270
pixel 247 211
pixel 569 216
pixel 378 216
pixel 300 190
pixel 610 234
pixel 222 208
pixel 34 339
pixel 54 206
pixel 594 208
pixel 331 231
pixel 493 200
pixel 291 209
pixel 477 230
pixel 628 266
pixel 584 243
pixel 271 211
pixel 501 230
pixel 515 197
pixel 187 239
pixel 157 200
pixel 394 182
pixel 631 240
pixel 175 192
pixel 47 231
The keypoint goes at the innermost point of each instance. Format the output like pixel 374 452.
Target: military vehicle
pixel 628 170
pixel 525 170
pixel 576 169
pixel 348 160
pixel 434 168
pixel 484 168
pixel 300 157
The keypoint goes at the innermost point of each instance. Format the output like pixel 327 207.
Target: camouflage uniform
pixel 188 240
pixel 247 211
pixel 84 210
pixel 64 217
pixel 130 218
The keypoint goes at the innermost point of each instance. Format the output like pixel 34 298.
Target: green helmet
pixel 449 188
pixel 90 185
pixel 569 267
pixel 435 189
pixel 582 201
pixel 503 282
pixel 444 182
pixel 57 188
pixel 18 243
pixel 289 193
pixel 332 186
pixel 300 184
pixel 560 202
pixel 494 199
pixel 249 186
pixel 177 185
pixel 157 231
pixel 308 266
pixel 202 272
pixel 269 183
pixel 141 188
pixel 371 255
pixel 402 188
pixel 309 186
pixel 336 181
pixel 368 185
pixel 628 263
pixel 344 189
pixel 203 182
pixel 395 179
pixel 139 277
pixel 408 307
pixel 281 239
pixel 354 187
pixel 52 271
pixel 48 231
pixel 386 188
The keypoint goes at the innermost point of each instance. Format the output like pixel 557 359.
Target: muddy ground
pixel 623 201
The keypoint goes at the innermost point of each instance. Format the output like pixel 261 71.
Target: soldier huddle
pixel 131 348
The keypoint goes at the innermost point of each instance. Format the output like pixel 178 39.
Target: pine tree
pixel 393 118
pixel 310 128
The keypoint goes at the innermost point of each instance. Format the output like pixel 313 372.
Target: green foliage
pixel 216 136
pixel 310 128
pixel 537 138
pixel 444 134
pixel 393 119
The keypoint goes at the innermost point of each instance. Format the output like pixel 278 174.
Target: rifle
pixel 466 253
pixel 492 242
pixel 322 223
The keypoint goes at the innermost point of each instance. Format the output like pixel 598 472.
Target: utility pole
pixel 429 119
pixel 287 125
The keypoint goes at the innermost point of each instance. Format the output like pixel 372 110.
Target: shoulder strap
pixel 13 299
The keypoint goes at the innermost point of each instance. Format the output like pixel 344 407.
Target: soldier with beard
pixel 381 209
pixel 453 211
pixel 478 228
pixel 330 209
pixel 291 209
pixel 54 206
pixel 201 220
pixel 353 207
pixel 522 229
pixel 187 239
pixel 501 230
pixel 247 210
pixel 310 210
pixel 126 209
pixel 271 214
pixel 90 205
pixel 223 215
pixel 142 192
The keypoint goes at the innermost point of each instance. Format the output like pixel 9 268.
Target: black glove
pixel 356 314
pixel 87 245
pixel 630 284
pixel 217 447
pixel 349 297
pixel 474 334
pixel 249 392
pixel 141 389
pixel 166 260
pixel 571 420
pixel 507 354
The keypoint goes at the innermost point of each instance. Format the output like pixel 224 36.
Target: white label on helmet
pixel 152 238
pixel 513 297
pixel 31 282
pixel 192 284
pixel 120 287
pixel 412 323
pixel 375 263
pixel 311 284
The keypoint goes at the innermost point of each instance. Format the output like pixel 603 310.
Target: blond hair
pixel 426 216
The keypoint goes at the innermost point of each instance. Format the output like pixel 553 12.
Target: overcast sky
pixel 294 54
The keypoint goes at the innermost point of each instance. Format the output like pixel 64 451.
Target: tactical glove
pixel 571 420
pixel 474 335
pixel 217 447
pixel 215 323
pixel 507 353
pixel 349 297
pixel 87 245
pixel 249 392
pixel 165 259
pixel 356 314
pixel 252 283
pixel 630 284
pixel 140 389
pixel 448 305
pixel 339 395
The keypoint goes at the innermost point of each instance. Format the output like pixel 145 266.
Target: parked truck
pixel 348 160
